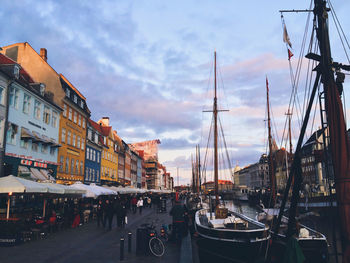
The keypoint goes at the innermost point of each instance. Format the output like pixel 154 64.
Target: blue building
pixel 94 146
pixel 31 130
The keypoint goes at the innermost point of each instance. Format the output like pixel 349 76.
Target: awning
pixel 47 175
pixel 37 137
pixel 23 169
pixel 46 140
pixel 54 143
pixel 26 134
pixel 37 175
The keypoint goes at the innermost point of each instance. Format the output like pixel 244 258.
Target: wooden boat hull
pixel 231 245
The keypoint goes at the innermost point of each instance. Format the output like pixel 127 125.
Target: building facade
pixel 93 153
pixel 32 130
pixel 109 161
pixel 73 127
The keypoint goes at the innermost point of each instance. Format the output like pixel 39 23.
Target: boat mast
pixel 215 112
pixel 339 143
pixel 199 169
pixel 271 168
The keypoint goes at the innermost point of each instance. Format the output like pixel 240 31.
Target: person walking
pixel 140 205
pixel 179 214
pixel 133 204
pixel 108 211
pixel 99 213
pixel 149 202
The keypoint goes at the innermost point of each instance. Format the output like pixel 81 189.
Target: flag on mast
pixel 290 54
pixel 286 38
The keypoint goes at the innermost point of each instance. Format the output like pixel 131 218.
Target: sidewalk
pixel 90 244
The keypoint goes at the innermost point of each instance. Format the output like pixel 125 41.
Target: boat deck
pixel 231 222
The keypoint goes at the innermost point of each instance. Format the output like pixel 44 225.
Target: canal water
pixel 242 208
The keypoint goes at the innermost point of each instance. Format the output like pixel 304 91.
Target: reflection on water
pixel 242 208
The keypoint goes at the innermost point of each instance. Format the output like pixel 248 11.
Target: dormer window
pixel 82 104
pixel 16 70
pixel 42 89
pixel 67 92
pixel 75 98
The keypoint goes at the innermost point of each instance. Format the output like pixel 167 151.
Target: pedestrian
pixel 179 214
pixel 140 205
pixel 99 212
pixel 109 211
pixel 134 204
pixel 149 202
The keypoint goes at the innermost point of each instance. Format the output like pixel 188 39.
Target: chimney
pixel 104 121
pixel 43 54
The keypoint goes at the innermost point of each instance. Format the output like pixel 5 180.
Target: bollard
pixel 129 241
pixel 121 249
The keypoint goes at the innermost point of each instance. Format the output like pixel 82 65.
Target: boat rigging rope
pixel 226 150
pixel 204 170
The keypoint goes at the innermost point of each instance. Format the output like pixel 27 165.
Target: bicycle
pixel 155 245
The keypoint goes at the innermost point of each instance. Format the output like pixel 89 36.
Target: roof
pixel 105 130
pixel 73 88
pixel 4 60
pixel 97 127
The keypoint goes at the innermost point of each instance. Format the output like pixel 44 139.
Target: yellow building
pixel 72 135
pixel 75 113
pixel 109 156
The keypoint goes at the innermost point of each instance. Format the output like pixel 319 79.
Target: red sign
pixel 26 162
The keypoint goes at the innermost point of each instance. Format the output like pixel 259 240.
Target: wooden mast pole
pixel 215 111
pixel 271 168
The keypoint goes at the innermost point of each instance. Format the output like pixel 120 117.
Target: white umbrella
pixel 102 190
pixel 90 192
pixel 13 184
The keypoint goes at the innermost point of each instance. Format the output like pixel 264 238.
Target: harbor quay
pixel 89 243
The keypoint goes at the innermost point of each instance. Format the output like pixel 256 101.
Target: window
pixel 37 113
pixel 47 115
pixel 77 167
pixel 82 143
pixel 83 123
pixel 63 135
pixel 14 97
pixel 72 166
pixel 98 157
pixel 78 142
pixel 34 146
pixel 88 153
pixel 44 148
pixel 86 174
pixel 54 119
pixel 96 138
pixel 2 95
pixel 74 137
pixel 67 165
pixel 75 117
pixel 24 144
pixel 52 150
pixel 82 104
pixel 26 103
pixel 65 110
pixel 81 168
pixel 11 133
pixel 89 134
pixel 69 138
pixel 67 92
pixel 94 156
pixel 75 98
pixel 61 163
pixel 70 111
pixel 79 119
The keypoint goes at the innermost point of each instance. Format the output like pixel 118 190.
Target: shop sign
pixel 41 165
pixel 26 162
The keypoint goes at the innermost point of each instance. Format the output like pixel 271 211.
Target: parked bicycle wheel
pixel 156 246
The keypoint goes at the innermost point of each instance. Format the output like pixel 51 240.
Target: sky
pixel 148 65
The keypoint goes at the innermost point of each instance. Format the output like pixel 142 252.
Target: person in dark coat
pixel 108 212
pixel 99 212
pixel 179 214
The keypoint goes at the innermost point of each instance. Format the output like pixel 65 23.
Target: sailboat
pixel 227 236
pixel 312 243
pixel 286 229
